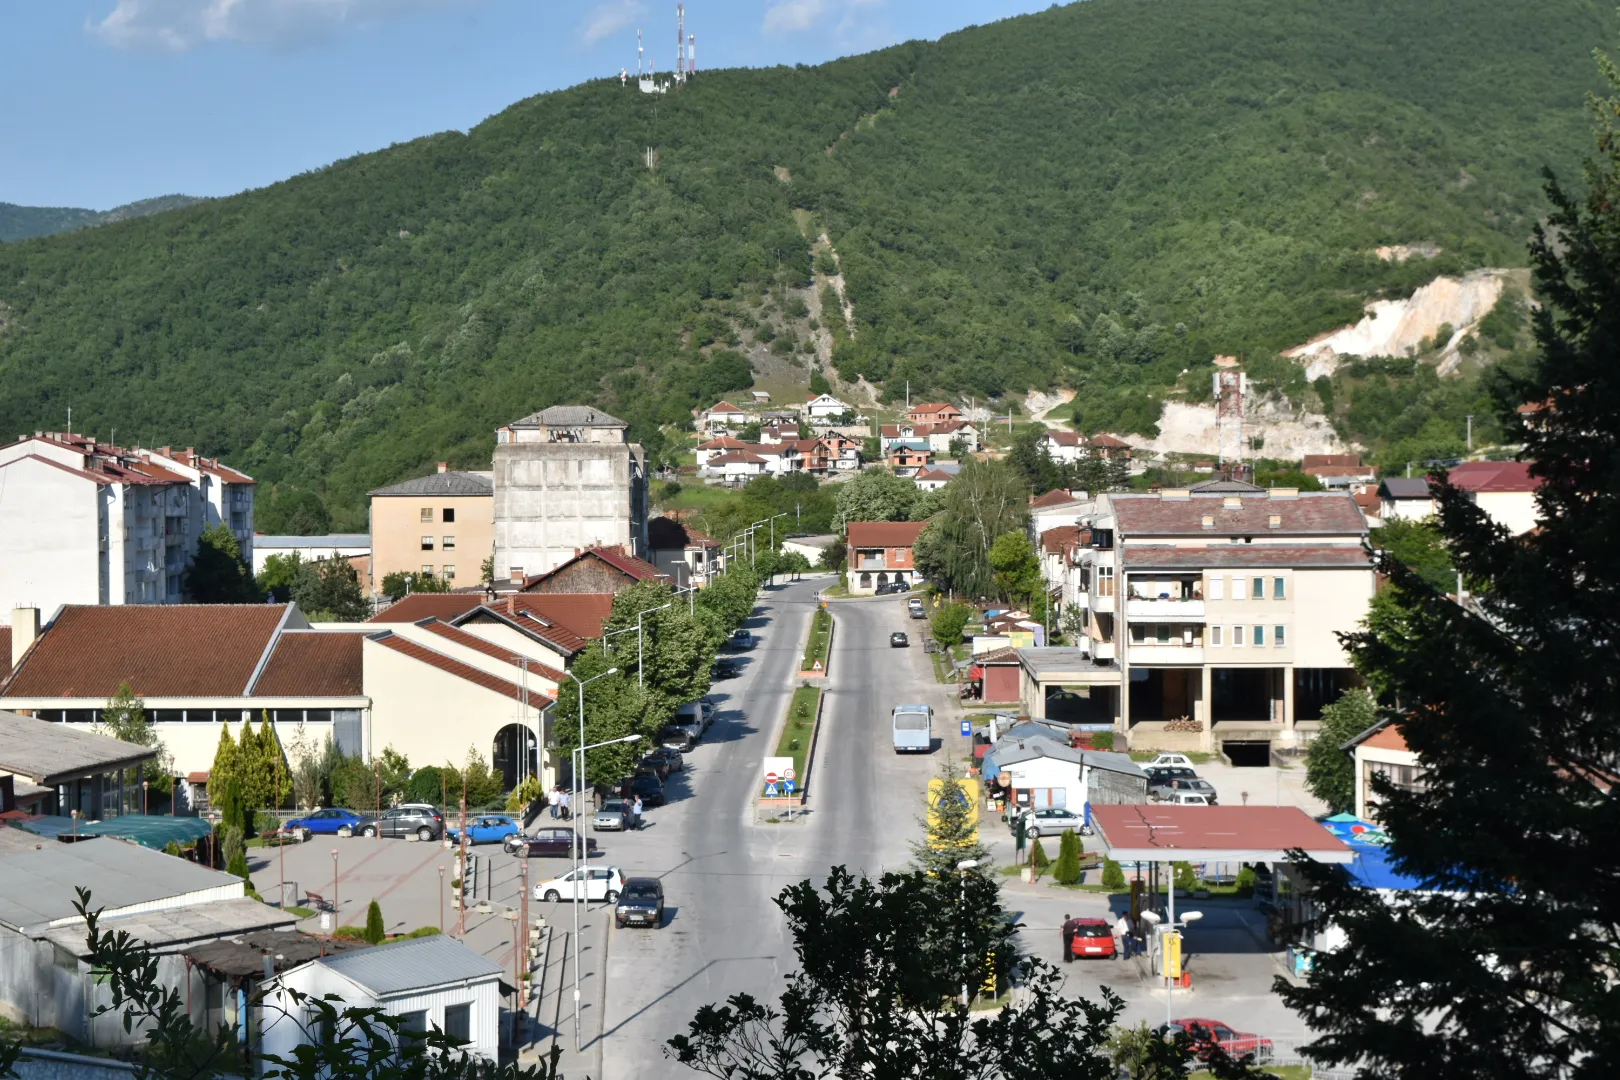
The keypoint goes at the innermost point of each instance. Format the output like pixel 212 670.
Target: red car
pixel 1206 1033
pixel 1092 937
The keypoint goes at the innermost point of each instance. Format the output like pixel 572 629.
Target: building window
pixel 449 515
pixel 448 571
pixel 413 1025
pixel 1161 634
pixel 427 569
pixel 1138 634
pixel 427 513
pixel 1237 636
pixel 427 543
pixel 1215 634
pixel 1105 581
pixel 1278 591
pixel 1259 590
pixel 1277 636
pixel 458 1022
pixel 1259 636
pixel 448 543
pixel 1217 588
pixel 1239 590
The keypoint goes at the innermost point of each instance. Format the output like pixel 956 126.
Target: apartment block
pixel 86 522
pixel 566 478
pixel 440 525
pixel 1210 615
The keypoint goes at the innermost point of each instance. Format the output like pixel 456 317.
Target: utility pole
pixel 1470 433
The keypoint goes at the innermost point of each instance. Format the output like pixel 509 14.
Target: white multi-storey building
pixel 1211 615
pixel 82 522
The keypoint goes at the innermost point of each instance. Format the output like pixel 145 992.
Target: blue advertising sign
pixel 967 729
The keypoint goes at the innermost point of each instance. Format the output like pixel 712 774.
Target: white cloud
pixel 608 19
pixel 178 25
pixel 793 16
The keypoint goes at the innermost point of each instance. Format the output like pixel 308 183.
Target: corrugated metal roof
pixel 412 965
pixel 36 885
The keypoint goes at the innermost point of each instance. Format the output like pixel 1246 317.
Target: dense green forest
pixel 1099 195
pixel 22 222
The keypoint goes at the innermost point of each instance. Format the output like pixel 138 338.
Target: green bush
pixel 1246 881
pixel 1067 870
pixel 1185 877
pixel 424 931
pixel 1112 876
pixel 1037 855
pixel 1103 740
pixel 354 933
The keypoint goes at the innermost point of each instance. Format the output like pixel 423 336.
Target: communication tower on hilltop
pixel 1230 385
pixel 691 54
pixel 685 59
pixel 680 42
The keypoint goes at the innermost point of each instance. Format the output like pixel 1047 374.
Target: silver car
pixel 614 816
pixel 1053 821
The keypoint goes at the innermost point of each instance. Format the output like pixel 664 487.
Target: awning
pixel 1372 867
pixel 148 831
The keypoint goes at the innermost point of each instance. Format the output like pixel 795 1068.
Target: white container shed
pixel 432 982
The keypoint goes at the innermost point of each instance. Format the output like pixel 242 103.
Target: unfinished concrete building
pixel 566 479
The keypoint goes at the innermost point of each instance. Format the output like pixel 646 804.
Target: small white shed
pixel 432 982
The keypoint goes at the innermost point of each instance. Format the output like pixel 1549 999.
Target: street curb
pixel 832 634
pixel 803 794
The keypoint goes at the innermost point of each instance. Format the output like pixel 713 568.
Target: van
pixel 915 607
pixel 688 721
pixel 913 729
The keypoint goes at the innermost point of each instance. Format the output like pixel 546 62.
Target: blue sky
pixel 107 101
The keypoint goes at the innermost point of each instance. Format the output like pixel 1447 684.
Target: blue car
pixel 329 822
pixel 489 829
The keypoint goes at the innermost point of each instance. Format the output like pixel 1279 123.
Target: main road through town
pixel 722 864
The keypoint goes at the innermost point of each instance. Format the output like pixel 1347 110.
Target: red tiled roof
pixel 313 663
pixel 1493 476
pixel 629 565
pixel 1007 654
pixel 189 456
pixel 935 474
pixel 871 534
pixel 161 650
pixel 94 477
pixel 1311 461
pixel 1388 737
pixel 1064 438
pixel 1369 502
pixel 1308 512
pixel 514 611
pixel 724 407
pixel 934 407
pixel 1058 539
pixel 747 457
pixel 1055 497
pixel 390 640
pixel 724 442
pixel 580 614
pixel 1109 442
pixel 199 777
pixel 488 648
pixel 419 606
pixel 5 652
pixel 1243 555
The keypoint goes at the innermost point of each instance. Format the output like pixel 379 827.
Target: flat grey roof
pixel 1011 751
pixel 1056 660
pixel 412 965
pixel 36 886
pixel 40 749
pixel 1112 762
pixel 182 926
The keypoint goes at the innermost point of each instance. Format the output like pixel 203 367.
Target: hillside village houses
pixel 1215 608
pixel 723 416
pixel 87 522
pixel 1068 447
pixel 826 407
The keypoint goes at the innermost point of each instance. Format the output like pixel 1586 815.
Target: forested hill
pixel 22 222
pixel 1099 195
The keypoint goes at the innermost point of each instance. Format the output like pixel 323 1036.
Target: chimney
pixel 511 607
pixel 24 630
pixel 444 466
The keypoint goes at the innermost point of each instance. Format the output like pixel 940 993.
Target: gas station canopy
pixel 1204 834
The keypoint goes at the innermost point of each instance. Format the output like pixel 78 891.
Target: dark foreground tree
pixel 1506 968
pixel 217 574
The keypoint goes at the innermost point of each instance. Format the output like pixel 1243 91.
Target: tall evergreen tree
pixel 952 825
pixel 227 763
pixel 218 574
pixel 1502 966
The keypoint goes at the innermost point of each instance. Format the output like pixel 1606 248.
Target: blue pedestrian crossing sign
pixel 770 789
pixel 788 786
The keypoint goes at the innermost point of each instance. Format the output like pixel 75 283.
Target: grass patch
pixel 800 726
pixel 820 638
pixel 301 912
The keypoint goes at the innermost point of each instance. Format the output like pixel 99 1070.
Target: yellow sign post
pixel 1172 954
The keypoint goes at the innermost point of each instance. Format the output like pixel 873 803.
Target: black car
pixel 898 640
pixel 890 587
pixel 641 903
pixel 725 668
pixel 653 765
pixel 413 819
pixel 649 789
pixel 549 843
pixel 674 761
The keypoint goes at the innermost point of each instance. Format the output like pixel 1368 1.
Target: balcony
pixel 1102 650
pixel 1165 610
pixel 1101 601
pixel 1174 654
pixel 871 564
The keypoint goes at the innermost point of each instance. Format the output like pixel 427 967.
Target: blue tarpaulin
pixel 1372 867
pixel 153 832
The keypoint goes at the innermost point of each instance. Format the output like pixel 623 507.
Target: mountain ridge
pixel 25 222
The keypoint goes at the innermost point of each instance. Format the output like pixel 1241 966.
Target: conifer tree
pixel 952 826
pixel 227 759
pixel 375 930
pixel 1067 871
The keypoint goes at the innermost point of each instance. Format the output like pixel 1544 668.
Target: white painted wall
pixel 50 525
pixel 1328 602
pixel 1515 511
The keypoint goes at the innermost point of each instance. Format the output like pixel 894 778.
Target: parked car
pixel 1208 1033
pixel 898 640
pixel 740 639
pixel 614 816
pixel 1160 780
pixel 710 708
pixel 725 668
pixel 549 842
pixel 1092 937
pixel 1189 798
pixel 1168 759
pixel 1052 821
pixel 586 883
pixel 413 819
pixel 916 609
pixel 1195 786
pixel 641 903
pixel 675 738
pixel 333 821
pixel 889 587
pixel 489 829
pixel 674 760
pixel 653 765
pixel 649 789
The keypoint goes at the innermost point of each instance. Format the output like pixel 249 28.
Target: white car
pixel 1181 761
pixel 588 882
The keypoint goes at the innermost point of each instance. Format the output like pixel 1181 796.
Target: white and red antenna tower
pixel 1230 385
pixel 691 53
pixel 680 42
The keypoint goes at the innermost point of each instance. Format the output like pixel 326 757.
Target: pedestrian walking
pixel 564 798
pixel 1122 931
pixel 1068 938
pixel 552 797
pixel 635 811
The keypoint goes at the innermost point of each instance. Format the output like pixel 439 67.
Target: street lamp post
pixel 575 856
pixel 961 869
pixel 441 899
pixel 334 890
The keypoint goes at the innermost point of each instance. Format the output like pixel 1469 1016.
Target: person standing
pixel 1068 938
pixel 554 795
pixel 563 799
pixel 1122 931
pixel 635 812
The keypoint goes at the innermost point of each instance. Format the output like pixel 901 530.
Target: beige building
pixel 441 524
pixel 1381 750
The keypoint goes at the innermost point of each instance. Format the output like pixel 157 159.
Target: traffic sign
pixel 770 789
pixel 771 778
pixel 967 729
pixel 789 785
pixel 788 772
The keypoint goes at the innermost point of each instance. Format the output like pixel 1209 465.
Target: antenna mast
pixel 691 54
pixel 680 42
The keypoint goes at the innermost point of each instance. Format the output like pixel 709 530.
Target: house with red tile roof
pixel 880 553
pixel 94 523
pixel 724 416
pixel 1505 490
pixel 908 461
pixel 934 412
pixel 602 570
